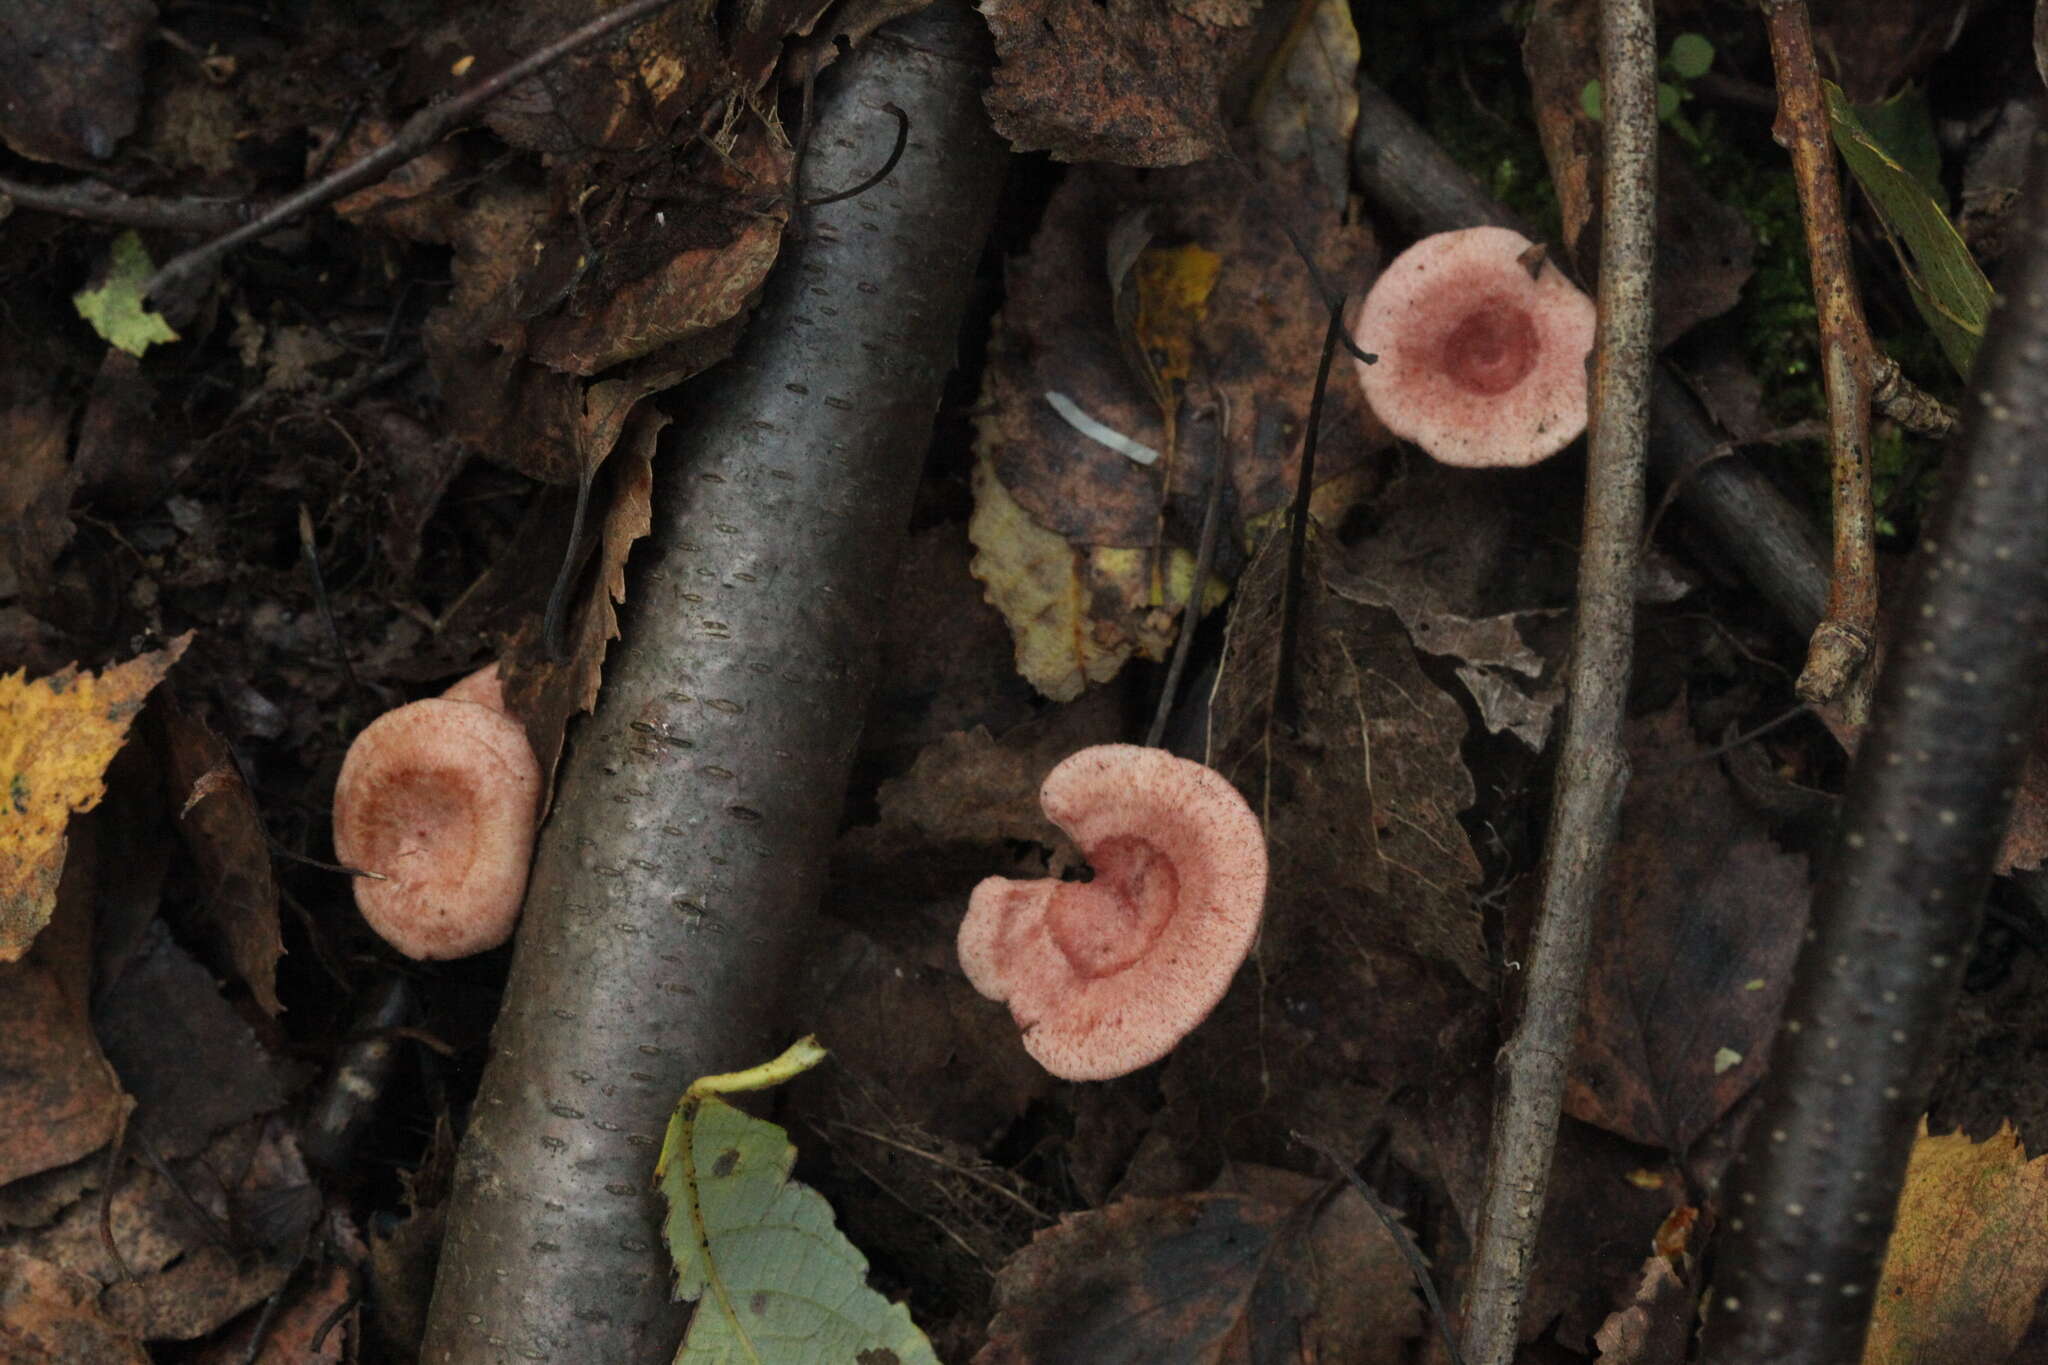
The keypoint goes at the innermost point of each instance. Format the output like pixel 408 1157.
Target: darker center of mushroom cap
pixel 428 814
pixel 1105 925
pixel 1492 348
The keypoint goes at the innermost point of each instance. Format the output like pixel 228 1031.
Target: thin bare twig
pixel 104 204
pixel 1592 769
pixel 1842 644
pixel 415 136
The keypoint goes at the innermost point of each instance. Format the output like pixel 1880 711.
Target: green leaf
pixel 115 308
pixel 1669 97
pixel 1904 126
pixel 1943 277
pixel 774 1280
pixel 1589 100
pixel 1691 56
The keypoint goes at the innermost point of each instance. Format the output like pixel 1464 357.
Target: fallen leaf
pixel 773 1279
pixel 1135 82
pixel 545 694
pixel 1968 1255
pixel 1077 614
pixel 59 1100
pixel 1362 799
pixel 114 306
pixel 1655 1328
pixel 1947 284
pixel 1700 926
pixel 174 1279
pixel 73 76
pixel 1200 1278
pixel 57 735
pixel 223 829
pixel 192 1063
pixel 1307 104
pixel 53 1317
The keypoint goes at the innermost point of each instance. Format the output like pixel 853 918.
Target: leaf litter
pixel 433 365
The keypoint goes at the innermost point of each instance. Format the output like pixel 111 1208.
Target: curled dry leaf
pixel 61 732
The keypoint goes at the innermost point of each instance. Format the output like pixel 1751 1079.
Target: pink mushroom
pixel 1482 347
pixel 439 798
pixel 1107 975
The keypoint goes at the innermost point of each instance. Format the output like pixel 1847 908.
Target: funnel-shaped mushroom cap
pixel 1105 976
pixel 440 797
pixel 1482 360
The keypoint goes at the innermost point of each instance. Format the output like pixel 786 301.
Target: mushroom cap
pixel 485 687
pixel 1105 976
pixel 1480 363
pixel 440 797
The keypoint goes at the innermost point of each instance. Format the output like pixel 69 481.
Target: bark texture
pixel 1812 1194
pixel 688 848
pixel 1592 770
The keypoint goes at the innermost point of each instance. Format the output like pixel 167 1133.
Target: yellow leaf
pixel 57 735
pixel 1968 1256
pixel 1075 612
pixel 1173 286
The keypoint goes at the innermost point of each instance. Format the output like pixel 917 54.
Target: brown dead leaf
pixel 223 830
pixel 1655 1328
pixel 36 484
pixel 1256 346
pixel 1366 1306
pixel 52 1317
pixel 1561 53
pixel 1211 293
pixel 404 203
pixel 192 1063
pixel 309 1315
pixel 73 76
pixel 57 736
pixel 174 1278
pixel 546 694
pixel 1968 1255
pixel 650 85
pixel 59 1099
pixel 1195 1278
pixel 1362 804
pixel 1699 929
pixel 1133 82
pixel 643 286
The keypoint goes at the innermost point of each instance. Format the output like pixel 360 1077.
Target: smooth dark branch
pixel 1809 1204
pixel 686 855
